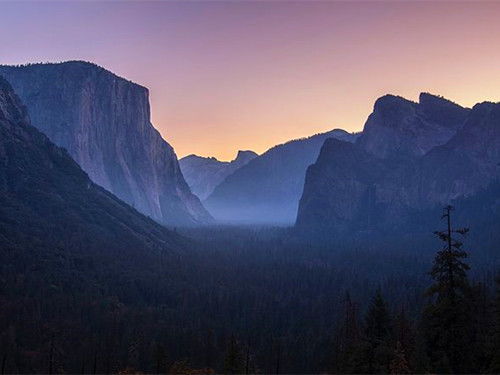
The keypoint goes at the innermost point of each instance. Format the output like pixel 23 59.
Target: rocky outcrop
pixel 48 203
pixel 411 157
pixel 203 175
pixel 267 190
pixel 104 123
pixel 399 127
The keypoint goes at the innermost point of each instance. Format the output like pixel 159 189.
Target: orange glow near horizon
pixel 225 76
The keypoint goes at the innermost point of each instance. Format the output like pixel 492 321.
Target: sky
pixel 236 75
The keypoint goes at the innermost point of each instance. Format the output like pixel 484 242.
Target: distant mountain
pixel 411 157
pixel 268 188
pixel 48 205
pixel 204 174
pixel 398 126
pixel 104 123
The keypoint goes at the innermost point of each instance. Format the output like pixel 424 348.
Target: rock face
pixel 203 175
pixel 398 126
pixel 48 202
pixel 268 188
pixel 410 157
pixel 104 123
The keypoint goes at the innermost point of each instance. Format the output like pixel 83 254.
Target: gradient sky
pixel 236 75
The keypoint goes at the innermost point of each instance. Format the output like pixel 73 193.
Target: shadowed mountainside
pixel 48 202
pixel 411 157
pixel 203 175
pixel 104 123
pixel 267 189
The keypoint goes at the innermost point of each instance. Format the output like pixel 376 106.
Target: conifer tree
pixel 234 362
pixel 448 316
pixel 399 364
pixel 484 328
pixel 420 358
pixel 404 333
pixel 495 353
pixel 378 334
pixel 160 359
pixel 346 338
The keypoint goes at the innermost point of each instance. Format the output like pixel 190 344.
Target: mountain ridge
pixel 104 122
pixel 47 198
pixel 370 188
pixel 267 189
pixel 204 174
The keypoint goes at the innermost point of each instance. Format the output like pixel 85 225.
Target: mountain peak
pixel 389 102
pixel 75 69
pixel 426 99
pixel 204 174
pixel 103 121
pixel 400 126
pixel 245 156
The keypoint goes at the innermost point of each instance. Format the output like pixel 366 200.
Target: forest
pixel 255 300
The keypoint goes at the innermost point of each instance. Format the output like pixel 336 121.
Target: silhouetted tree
pixel 233 362
pixel 399 364
pixel 347 337
pixel 160 359
pixel 404 333
pixel 495 352
pixel 448 316
pixel 483 328
pixel 378 335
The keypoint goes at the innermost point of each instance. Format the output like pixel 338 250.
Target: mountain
pixel 204 174
pixel 398 126
pixel 268 188
pixel 411 157
pixel 49 203
pixel 104 123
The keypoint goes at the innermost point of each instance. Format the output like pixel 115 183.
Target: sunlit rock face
pixel 410 157
pixel 267 189
pixel 204 174
pixel 399 127
pixel 48 202
pixel 104 123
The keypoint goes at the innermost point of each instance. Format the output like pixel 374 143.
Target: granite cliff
pixel 103 121
pixel 411 157
pixel 49 205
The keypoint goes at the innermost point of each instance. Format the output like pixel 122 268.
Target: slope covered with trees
pixel 410 158
pixel 89 285
pixel 267 189
pixel 103 121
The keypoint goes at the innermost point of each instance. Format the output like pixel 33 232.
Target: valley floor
pixel 236 300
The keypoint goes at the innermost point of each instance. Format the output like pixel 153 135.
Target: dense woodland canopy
pixel 89 285
pixel 249 300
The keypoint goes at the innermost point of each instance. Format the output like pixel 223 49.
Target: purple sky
pixel 225 76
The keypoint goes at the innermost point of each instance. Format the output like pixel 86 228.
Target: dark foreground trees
pixel 250 301
pixel 457 332
pixel 448 319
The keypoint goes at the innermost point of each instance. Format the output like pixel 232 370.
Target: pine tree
pixel 404 336
pixel 399 364
pixel 346 338
pixel 234 362
pixel 378 335
pixel 420 358
pixel 483 328
pixel 495 353
pixel 448 317
pixel 160 359
pixel 404 333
